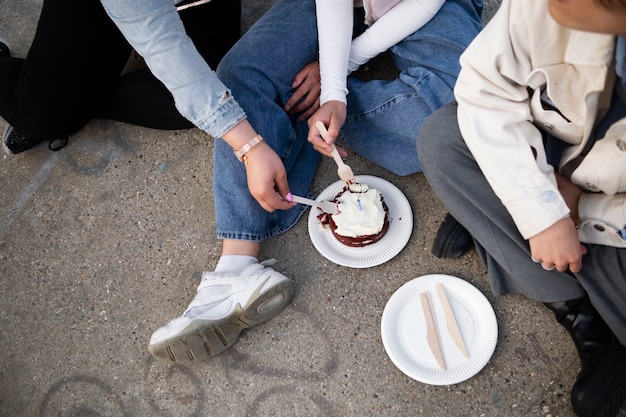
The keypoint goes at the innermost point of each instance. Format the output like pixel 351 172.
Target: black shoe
pixel 5 48
pixel 15 142
pixel 600 387
pixel 452 239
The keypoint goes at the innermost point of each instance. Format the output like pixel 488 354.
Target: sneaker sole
pixel 203 339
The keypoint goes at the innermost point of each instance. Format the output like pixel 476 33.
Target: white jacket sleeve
pixel 495 118
pixel 399 22
pixel 334 27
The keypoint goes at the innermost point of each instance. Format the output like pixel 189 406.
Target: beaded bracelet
pixel 241 153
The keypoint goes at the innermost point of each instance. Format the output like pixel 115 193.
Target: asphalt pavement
pixel 104 241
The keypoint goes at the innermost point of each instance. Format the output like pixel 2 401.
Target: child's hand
pixel 558 247
pixel 571 194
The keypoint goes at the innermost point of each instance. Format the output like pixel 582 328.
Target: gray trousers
pixel 459 183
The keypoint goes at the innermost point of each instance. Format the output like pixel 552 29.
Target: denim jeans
pixel 383 119
pixel 156 32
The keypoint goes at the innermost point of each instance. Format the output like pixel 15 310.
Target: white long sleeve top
pixel 389 22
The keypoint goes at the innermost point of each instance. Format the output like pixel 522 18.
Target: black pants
pixel 72 71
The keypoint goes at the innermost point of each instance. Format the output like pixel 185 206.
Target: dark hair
pixel 613 4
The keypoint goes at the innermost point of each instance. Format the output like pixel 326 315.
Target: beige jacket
pixel 518 71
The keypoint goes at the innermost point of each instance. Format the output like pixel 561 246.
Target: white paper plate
pixel 396 238
pixel 403 330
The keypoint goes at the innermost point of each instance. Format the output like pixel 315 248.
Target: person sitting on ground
pixel 71 73
pixel 55 91
pixel 530 162
pixel 274 74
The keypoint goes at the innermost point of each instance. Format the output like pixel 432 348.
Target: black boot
pixel 5 48
pixel 452 239
pixel 600 387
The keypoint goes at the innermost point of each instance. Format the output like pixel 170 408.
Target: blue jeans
pixel 383 119
pixel 155 30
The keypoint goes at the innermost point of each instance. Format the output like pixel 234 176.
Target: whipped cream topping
pixel 361 212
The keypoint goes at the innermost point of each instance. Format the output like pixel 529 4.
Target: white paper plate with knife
pixel 436 354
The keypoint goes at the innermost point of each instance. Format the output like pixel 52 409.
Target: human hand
pixel 558 247
pixel 267 178
pixel 571 194
pixel 306 97
pixel 332 114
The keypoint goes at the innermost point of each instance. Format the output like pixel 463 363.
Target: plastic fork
pixel 344 171
pixel 326 206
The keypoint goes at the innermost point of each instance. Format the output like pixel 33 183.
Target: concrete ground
pixel 104 242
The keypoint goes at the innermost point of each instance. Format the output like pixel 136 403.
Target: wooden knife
pixel 432 334
pixel 451 324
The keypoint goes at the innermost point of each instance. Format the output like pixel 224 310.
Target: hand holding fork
pixel 344 171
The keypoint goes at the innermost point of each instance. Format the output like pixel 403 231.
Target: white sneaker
pixel 226 303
